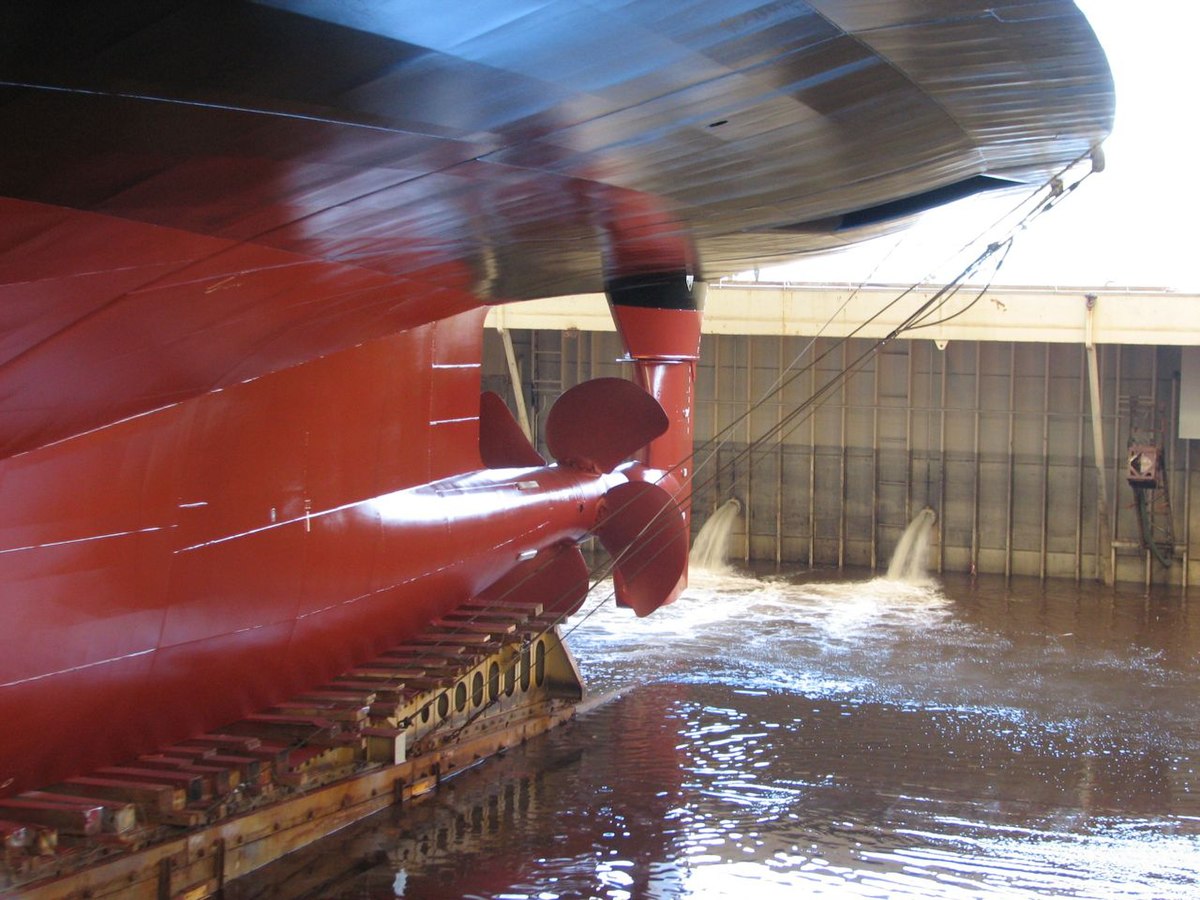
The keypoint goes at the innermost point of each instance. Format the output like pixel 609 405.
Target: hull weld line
pixel 224 107
pixel 91 665
pixel 302 518
pixel 82 540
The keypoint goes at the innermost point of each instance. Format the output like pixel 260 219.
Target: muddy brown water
pixel 788 736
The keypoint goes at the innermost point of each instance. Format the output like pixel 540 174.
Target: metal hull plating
pixel 186 567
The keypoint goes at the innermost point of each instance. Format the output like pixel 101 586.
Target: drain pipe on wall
pixel 514 374
pixel 1104 568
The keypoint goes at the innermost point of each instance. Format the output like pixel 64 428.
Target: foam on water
pixel 831 609
pixel 875 738
pixel 772 633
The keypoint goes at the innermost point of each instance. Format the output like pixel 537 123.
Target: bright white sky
pixel 1136 224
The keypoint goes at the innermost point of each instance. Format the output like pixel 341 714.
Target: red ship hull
pixel 188 566
pixel 244 254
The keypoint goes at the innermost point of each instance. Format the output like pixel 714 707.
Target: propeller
pixel 594 427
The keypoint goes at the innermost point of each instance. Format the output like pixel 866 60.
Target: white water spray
pixel 909 560
pixel 710 550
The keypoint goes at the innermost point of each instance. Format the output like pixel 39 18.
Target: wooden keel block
pixel 514 608
pixel 268 755
pixel 191 752
pixel 192 785
pixel 533 629
pixel 405 652
pixel 118 817
pixel 248 768
pixel 354 698
pixel 472 635
pixel 346 714
pixel 433 668
pixel 226 741
pixel 384 710
pixel 456 618
pixel 217 779
pixel 79 819
pixel 15 835
pixel 386 694
pixel 385 745
pixel 385 674
pixel 159 796
pixel 288 729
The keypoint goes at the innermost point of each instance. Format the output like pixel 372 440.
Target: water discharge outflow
pixel 710 550
pixel 911 557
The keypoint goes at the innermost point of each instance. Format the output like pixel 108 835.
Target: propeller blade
pixel 644 530
pixel 598 424
pixel 557 578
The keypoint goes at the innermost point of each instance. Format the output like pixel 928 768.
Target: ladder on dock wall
pixel 1147 474
pixel 546 376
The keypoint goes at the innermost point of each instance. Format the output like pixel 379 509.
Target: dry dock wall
pixel 996 436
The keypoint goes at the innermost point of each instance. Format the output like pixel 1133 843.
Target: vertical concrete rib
pixel 749 507
pixel 1012 427
pixel 941 497
pixel 976 486
pixel 716 431
pixel 875 470
pixel 842 470
pixel 1116 465
pixel 812 457
pixel 1045 459
pixel 909 455
pixel 1185 576
pixel 1081 428
pixel 779 454
pixel 1154 429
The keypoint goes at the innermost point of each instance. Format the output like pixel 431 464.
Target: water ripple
pixel 844 739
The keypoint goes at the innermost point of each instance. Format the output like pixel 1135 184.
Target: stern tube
pixel 657 300
pixel 488 521
pixel 658 318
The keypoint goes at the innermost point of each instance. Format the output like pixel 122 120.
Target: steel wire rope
pixel 1056 193
pixel 914 320
pixel 1052 185
pixel 807 405
pixel 598 574
pixel 781 430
